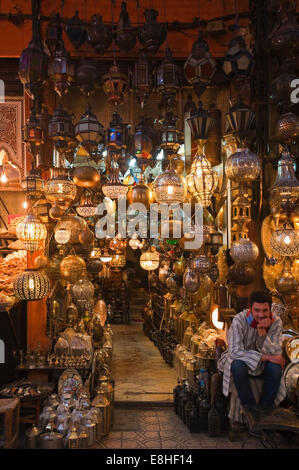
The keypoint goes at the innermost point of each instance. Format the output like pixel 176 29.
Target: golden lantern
pixel 74 225
pixel 286 283
pixel 31 285
pixel 85 176
pixel 244 251
pixel 60 189
pixel 118 261
pixel 72 268
pixel 106 257
pixel 170 188
pixel 140 193
pixel 31 232
pixel 83 290
pixel 150 260
pixel 285 242
pixel 62 236
pixel 202 180
pixel 117 243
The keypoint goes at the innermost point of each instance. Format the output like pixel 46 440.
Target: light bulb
pixel 25 204
pixel 31 284
pixel 3 178
pixel 170 189
pixel 287 240
pixel 219 325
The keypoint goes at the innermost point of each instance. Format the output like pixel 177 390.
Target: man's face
pixel 260 311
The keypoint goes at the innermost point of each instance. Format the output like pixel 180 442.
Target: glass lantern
pixel 60 190
pixel 61 70
pixel 202 180
pixel 168 75
pixel 114 189
pixel 115 85
pixel 61 129
pixel 286 186
pixel 170 188
pixel 142 79
pixel 89 131
pixel 118 261
pixel 238 60
pixel 117 139
pixel 31 232
pixel 200 67
pixel 33 184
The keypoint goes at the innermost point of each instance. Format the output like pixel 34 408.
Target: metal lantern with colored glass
pixel 241 120
pixel 61 129
pixel 168 76
pixel 152 34
pixel 170 135
pixel 89 131
pixel 170 188
pixel 31 285
pixel 286 186
pixel 149 260
pixel 202 180
pixel 31 232
pixel 61 70
pixel 285 242
pixel 33 184
pixel 118 260
pixel 117 135
pixel 33 134
pixel 238 60
pixel 115 84
pixel 142 79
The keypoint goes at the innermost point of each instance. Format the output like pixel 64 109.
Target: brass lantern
pixel 202 180
pixel 287 128
pixel 72 268
pixel 85 176
pixel 140 193
pixel 74 225
pixel 60 190
pixel 31 285
pixel 118 260
pixel 61 129
pixel 170 188
pixel 240 120
pixel 31 232
pixel 149 260
pixel 83 290
pixel 285 242
pixel 117 243
pixel 243 166
pixel 86 208
pixel 286 283
pixel 33 132
pixel 286 186
pixel 33 184
pixel 114 188
pixel 142 79
pixel 168 75
pixel 115 85
pixel 244 251
pixel 61 70
pixel 170 135
pixel 89 131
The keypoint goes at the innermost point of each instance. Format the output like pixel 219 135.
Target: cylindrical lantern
pixel 31 285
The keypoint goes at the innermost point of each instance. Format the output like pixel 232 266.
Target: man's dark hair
pixel 260 297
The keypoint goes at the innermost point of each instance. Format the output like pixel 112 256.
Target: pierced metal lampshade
pixel 285 242
pixel 62 236
pixel 61 190
pixel 244 251
pixel 170 188
pixel 150 260
pixel 83 290
pixel 117 243
pixel 286 186
pixel 89 131
pixel 118 260
pixel 200 122
pixel 31 285
pixel 72 268
pixel 86 208
pixel 243 166
pixel 114 188
pixel 200 67
pixel 31 232
pixel 202 180
pixel 33 184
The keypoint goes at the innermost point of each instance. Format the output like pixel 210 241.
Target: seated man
pixel 254 350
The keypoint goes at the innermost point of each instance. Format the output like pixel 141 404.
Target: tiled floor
pixel 159 428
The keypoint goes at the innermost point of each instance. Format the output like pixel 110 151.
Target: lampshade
pixel 33 184
pixel 243 166
pixel 114 188
pixel 89 131
pixel 200 122
pixel 61 70
pixel 62 236
pixel 170 188
pixel 240 119
pixel 150 260
pixel 86 208
pixel 106 257
pixel 142 79
pixel 285 242
pixel 61 129
pixel 60 190
pixel 72 268
pixel 31 232
pixel 31 285
pixel 238 60
pixel 286 186
pixel 202 180
pixel 244 251
pixel 118 260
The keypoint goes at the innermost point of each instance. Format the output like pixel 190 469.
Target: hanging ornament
pixel 170 188
pixel 89 131
pixel 61 70
pixel 76 31
pixel 200 67
pixel 152 34
pixel 99 35
pixel 142 82
pixel 125 35
pixel 115 85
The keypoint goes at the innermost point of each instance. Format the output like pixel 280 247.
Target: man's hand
pixel 263 325
pixel 276 359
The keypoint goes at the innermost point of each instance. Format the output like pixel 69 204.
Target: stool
pixel 10 409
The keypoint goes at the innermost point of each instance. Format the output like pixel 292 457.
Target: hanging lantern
pixel 114 188
pixel 125 36
pixel 117 139
pixel 31 232
pixel 31 285
pixel 118 261
pixel 200 67
pixel 89 131
pixel 87 208
pixel 117 243
pixel 61 129
pixel 284 40
pixel 286 284
pixel 191 281
pixel 115 85
pixel 62 236
pixel 238 60
pixel 152 34
pixel 200 122
pixel 140 193
pixel 86 237
pixel 61 70
pixel 168 76
pixel 285 242
pixel 134 242
pixel 87 75
pixel 241 274
pixel 170 136
pixel 202 180
pixel 74 225
pixel 201 264
pixel 33 132
pixel 149 260
pixel 53 32
pixel 33 184
pixel 240 120
pixel 60 190
pixel 143 143
pixel 83 290
pixel 76 31
pixel 243 166
pixel 286 186
pixel 179 266
pixel 72 268
pixel 287 128
pixel 244 251
pixel 33 60
pixel 106 257
pixel 44 151
pixel 85 176
pixel 99 35
pixel 94 265
pixel 170 188
pixel 142 79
